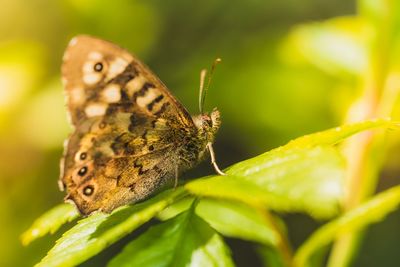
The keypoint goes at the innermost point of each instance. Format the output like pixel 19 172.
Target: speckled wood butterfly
pixel 131 136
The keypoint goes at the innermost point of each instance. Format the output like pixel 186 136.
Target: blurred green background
pixel 279 79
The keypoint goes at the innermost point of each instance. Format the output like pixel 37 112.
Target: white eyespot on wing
pixel 77 96
pixel 91 78
pixel 116 67
pixel 150 95
pixel 88 67
pixel 135 84
pixel 112 93
pixel 95 109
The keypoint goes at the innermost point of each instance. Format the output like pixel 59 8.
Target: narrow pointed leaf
pixel 93 234
pixel 50 222
pixel 370 212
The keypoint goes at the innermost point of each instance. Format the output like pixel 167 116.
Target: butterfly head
pixel 208 125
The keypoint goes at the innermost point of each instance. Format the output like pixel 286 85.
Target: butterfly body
pixel 131 135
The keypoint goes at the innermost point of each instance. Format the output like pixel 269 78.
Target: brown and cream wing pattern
pixel 127 127
pixel 101 78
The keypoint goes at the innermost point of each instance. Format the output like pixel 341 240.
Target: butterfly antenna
pixel 203 90
pixel 203 74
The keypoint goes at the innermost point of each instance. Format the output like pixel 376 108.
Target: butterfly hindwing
pixel 121 180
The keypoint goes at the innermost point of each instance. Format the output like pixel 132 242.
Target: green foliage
pixel 286 71
pixel 50 222
pixel 185 240
pixel 234 219
pixel 306 175
pixel 284 180
pixel 93 234
pixel 372 211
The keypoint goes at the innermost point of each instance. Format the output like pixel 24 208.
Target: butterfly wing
pixel 119 181
pixel 100 76
pixel 128 127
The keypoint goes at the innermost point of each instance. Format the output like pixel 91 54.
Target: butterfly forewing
pixel 101 78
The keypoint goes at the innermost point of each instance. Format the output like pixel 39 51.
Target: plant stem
pixel 283 245
pixel 366 152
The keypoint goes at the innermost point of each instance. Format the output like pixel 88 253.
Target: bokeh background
pixel 288 68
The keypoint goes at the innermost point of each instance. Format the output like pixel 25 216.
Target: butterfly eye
pixel 82 171
pixel 98 67
pixel 208 121
pixel 88 190
pixel 83 156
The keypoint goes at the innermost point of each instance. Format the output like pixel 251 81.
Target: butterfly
pixel 131 135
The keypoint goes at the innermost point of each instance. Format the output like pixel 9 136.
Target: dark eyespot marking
pixel 98 67
pixel 82 171
pixel 83 156
pixel 102 125
pixel 88 190
pixel 151 148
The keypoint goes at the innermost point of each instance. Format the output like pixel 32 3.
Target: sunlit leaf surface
pixel 304 175
pixel 96 232
pixel 237 220
pixel 185 240
pixel 50 222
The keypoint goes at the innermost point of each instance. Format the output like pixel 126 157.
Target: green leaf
pixel 335 46
pixel 185 240
pixel 176 208
pixel 96 232
pixel 270 256
pixel 370 212
pixel 50 222
pixel 230 218
pixel 303 176
pixel 237 220
pixel 290 180
pixel 335 135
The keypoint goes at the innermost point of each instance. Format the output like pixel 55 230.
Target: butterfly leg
pixel 213 161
